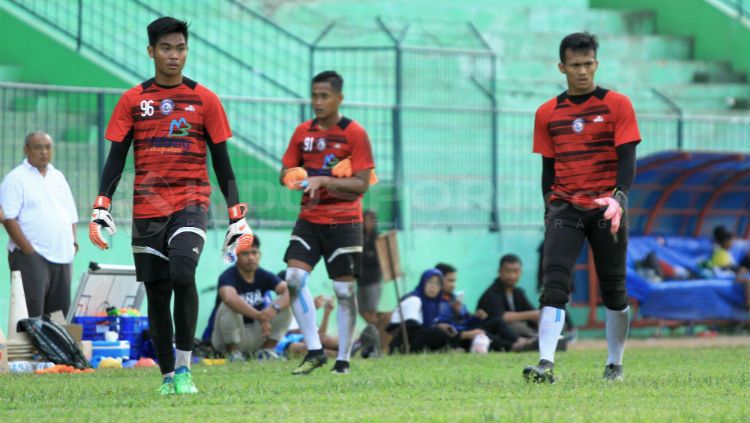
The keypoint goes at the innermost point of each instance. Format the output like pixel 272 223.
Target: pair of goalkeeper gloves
pixel 296 178
pixel 238 239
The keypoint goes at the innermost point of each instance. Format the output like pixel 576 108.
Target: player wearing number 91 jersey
pixel 171 122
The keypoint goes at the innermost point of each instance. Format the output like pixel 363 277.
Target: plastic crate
pixel 117 349
pixel 129 329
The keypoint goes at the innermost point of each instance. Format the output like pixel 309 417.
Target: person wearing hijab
pixel 421 312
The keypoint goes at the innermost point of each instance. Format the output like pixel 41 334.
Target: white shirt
pixel 44 208
pixel 412 307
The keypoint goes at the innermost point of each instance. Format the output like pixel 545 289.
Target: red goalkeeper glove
pixel 100 218
pixel 239 235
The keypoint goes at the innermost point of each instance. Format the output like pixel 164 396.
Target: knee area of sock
pixel 617 304
pixel 557 298
pixel 295 278
pixel 343 290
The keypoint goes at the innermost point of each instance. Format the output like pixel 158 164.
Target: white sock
pixel 551 324
pixel 303 307
pixel 166 375
pixel 617 325
pixel 182 358
pixel 347 317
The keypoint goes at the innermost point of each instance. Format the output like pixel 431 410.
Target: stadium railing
pixel 449 186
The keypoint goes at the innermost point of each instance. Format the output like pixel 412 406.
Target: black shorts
pixel 156 239
pixel 340 245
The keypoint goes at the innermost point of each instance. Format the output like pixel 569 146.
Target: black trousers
pixel 420 338
pixel 45 284
pixel 566 228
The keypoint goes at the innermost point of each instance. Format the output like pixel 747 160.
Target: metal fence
pixel 454 175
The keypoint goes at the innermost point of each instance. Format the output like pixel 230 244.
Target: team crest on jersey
pixel 578 125
pixel 166 107
pixel 321 145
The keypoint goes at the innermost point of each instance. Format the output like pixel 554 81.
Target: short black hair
pixel 579 42
pixel 164 26
pixel 509 259
pixel 332 77
pixel 445 268
pixel 722 234
pixel 256 241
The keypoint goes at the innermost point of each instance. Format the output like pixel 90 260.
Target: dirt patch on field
pixel 686 342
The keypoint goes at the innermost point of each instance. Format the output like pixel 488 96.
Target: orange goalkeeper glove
pixel 343 169
pixel 293 177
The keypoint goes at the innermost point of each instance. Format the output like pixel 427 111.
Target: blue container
pixel 129 328
pixel 116 349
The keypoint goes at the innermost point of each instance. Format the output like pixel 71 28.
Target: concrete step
pixel 611 47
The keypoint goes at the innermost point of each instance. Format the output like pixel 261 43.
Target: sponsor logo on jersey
pixel 166 107
pixel 578 125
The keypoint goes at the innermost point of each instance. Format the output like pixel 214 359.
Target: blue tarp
pixel 700 299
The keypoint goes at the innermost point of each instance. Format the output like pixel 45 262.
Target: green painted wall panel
pixel 717 36
pixel 47 61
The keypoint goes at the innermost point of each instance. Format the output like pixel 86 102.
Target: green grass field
pixel 670 385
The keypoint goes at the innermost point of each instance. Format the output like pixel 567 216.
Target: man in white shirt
pixel 40 218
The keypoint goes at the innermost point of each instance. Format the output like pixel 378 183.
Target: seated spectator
pixel 505 300
pixel 247 320
pixel 721 259
pixel 293 343
pixel 471 329
pixel 421 310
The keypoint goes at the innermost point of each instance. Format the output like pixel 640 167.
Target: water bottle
pixel 20 367
pixel 480 344
pixel 44 365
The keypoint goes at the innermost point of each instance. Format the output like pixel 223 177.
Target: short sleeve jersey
pixel 318 151
pixel 256 294
pixel 170 128
pixel 582 137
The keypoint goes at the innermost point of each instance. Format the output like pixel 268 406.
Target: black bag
pixel 53 342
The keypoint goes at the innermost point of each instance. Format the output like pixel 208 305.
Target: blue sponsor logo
pixel 179 128
pixel 166 107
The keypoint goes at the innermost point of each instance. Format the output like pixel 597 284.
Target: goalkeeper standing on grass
pixel 170 121
pixel 335 152
pixel 587 137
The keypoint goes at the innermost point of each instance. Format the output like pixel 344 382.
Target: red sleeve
pixel 361 149
pixel 542 140
pixel 215 119
pixel 121 121
pixel 626 126
pixel 293 156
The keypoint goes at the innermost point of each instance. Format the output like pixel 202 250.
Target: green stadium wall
pixel 45 60
pixel 717 36
pixel 474 252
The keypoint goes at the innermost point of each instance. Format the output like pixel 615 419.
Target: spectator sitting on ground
pixel 497 333
pixel 293 343
pixel 421 311
pixel 247 320
pixel 506 300
pixel 453 311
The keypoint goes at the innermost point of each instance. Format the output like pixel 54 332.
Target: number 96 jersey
pixel 318 150
pixel 169 128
